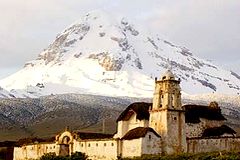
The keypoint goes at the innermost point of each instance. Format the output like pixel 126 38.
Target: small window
pixel 149 137
pixel 46 147
pixel 75 137
pixel 54 147
pixel 105 144
pixel 82 144
pixel 112 144
pixel 160 105
pixel 96 144
pixel 175 118
pixel 89 145
pixel 162 96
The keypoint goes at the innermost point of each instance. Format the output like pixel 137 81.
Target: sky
pixel 210 29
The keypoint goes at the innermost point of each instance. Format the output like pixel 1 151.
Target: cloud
pixel 30 26
pixel 210 29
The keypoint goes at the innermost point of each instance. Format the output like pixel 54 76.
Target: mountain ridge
pixel 48 115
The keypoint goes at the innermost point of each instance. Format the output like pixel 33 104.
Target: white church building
pixel 158 128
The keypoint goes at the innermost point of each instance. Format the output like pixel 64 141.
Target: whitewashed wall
pixel 34 151
pixel 125 126
pixel 97 149
pixel 151 144
pixel 132 148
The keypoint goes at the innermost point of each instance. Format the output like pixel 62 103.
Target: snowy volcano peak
pixel 107 37
pixel 100 54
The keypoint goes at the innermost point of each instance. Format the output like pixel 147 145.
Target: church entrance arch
pixel 65 143
pixel 64 146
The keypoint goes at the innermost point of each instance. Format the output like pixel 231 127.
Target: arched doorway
pixel 64 146
pixel 65 143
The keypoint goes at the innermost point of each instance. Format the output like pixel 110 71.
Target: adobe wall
pixel 125 126
pixel 133 122
pixel 148 145
pixel 197 145
pixel 97 149
pixel 33 151
pixel 196 129
pixel 151 144
pixel 132 148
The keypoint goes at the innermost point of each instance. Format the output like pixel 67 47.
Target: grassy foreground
pixel 200 156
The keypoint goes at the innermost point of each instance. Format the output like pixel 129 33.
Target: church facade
pixel 159 128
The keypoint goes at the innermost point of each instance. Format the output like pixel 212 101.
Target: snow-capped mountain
pixel 101 54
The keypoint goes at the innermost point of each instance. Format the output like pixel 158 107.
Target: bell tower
pixel 167 117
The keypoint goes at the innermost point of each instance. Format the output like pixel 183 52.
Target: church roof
pixel 138 133
pixel 88 135
pixel 193 113
pixel 218 131
pixel 7 144
pixel 26 141
pixel 140 108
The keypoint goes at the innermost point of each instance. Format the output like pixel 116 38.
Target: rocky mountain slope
pixel 105 55
pixel 46 116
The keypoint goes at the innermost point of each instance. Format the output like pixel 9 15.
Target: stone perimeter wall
pixel 34 151
pixel 110 149
pixel 199 145
pixel 95 149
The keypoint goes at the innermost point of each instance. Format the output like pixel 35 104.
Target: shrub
pixel 78 156
pixel 74 156
pixel 48 156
